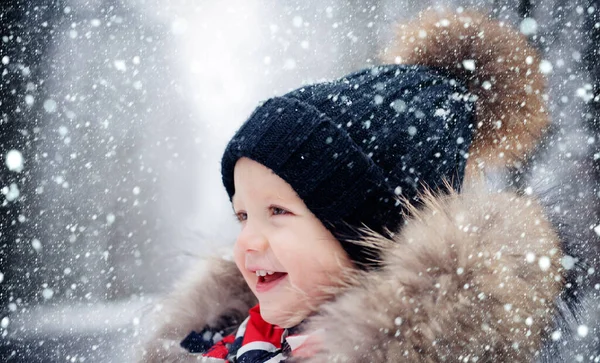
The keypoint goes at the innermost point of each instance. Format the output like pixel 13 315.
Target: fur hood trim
pixel 470 276
pixel 500 68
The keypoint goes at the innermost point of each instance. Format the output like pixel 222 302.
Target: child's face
pixel 279 234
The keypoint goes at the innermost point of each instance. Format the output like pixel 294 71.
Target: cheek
pixel 238 256
pixel 313 269
pixel 240 261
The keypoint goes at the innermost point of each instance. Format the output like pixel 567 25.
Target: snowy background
pixel 114 115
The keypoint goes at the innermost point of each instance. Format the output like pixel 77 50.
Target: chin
pixel 275 317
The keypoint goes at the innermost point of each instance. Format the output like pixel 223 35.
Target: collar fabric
pixel 255 341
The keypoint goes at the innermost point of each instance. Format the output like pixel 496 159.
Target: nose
pixel 252 238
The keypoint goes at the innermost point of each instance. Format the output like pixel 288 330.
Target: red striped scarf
pixel 255 341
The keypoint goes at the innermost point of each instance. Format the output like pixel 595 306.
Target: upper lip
pixel 258 268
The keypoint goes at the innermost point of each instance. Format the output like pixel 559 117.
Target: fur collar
pixel 474 275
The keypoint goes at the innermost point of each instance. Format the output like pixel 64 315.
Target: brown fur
pixel 444 314
pixel 420 307
pixel 511 115
pixel 211 291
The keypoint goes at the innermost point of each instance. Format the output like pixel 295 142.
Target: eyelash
pixel 272 208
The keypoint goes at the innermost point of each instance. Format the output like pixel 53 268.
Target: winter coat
pixel 470 276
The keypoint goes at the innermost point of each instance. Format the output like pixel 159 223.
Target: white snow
pixel 29 100
pixel 544 263
pixel 1 277
pixel 36 244
pixel 460 271
pixel 556 335
pixel 528 26
pixel 136 190
pixel 545 67
pixel 120 65
pixel 110 218
pixel 568 262
pixel 444 23
pixel 50 105
pixel 469 64
pixel 597 230
pixel 398 321
pixel 14 160
pixel 5 60
pixel 399 106
pixel 4 322
pixel 530 257
pixel 47 293
pixel 582 331
pixel 12 192
pixel 440 112
pixel 412 131
pixel 63 131
pixel 529 321
pixel 584 94
pixel 378 99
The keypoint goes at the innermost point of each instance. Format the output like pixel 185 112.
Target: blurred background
pixel 114 115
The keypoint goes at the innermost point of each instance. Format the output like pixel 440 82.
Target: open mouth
pixel 269 281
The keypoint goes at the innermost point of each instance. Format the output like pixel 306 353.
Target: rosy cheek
pixel 239 258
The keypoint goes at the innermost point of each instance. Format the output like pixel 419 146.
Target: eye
pixel 278 211
pixel 241 216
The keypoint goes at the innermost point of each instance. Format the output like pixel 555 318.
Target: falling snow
pixel 14 161
pixel 114 116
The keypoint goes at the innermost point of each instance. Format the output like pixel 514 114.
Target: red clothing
pixel 256 341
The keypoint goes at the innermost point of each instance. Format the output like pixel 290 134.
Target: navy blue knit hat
pixel 351 147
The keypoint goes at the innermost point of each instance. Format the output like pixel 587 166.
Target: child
pixel 344 254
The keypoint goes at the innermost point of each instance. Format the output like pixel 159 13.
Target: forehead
pixel 254 180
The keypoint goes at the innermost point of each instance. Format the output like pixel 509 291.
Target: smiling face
pixel 284 241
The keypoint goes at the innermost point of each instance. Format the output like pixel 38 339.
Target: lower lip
pixel 266 286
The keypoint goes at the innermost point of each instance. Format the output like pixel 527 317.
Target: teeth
pixel 264 272
pixel 270 272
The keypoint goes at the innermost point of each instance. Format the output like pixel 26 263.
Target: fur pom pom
pixel 500 68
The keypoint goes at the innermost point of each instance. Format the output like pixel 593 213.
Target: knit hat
pixel 352 147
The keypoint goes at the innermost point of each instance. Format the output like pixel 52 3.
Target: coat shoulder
pixel 470 275
pixel 212 294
